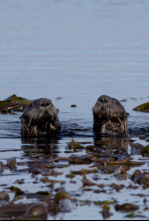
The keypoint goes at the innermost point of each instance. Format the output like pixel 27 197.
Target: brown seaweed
pixel 142 108
pixel 13 103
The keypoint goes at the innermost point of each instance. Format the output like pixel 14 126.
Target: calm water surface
pixel 76 50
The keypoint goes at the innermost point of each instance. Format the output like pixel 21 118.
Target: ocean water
pixel 76 50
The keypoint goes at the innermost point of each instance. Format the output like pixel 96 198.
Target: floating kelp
pixel 136 177
pixel 106 211
pixel 73 105
pixel 75 145
pixel 2 167
pixel 106 202
pixel 145 181
pixel 141 179
pixel 11 164
pixel 145 151
pixel 14 211
pixel 36 211
pixel 126 162
pixel 133 215
pixel 84 171
pixel 127 207
pixel 4 196
pixel 142 107
pixel 87 182
pixel 117 187
pixel 13 103
pixel 17 191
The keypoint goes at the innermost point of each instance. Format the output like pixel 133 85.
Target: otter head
pixel 110 117
pixel 40 117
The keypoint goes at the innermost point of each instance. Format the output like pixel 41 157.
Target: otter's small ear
pixel 31 104
pixel 126 115
pixel 22 119
pixel 57 110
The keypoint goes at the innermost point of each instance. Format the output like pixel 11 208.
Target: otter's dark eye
pixel 104 101
pixel 47 104
pixel 42 105
pixel 116 101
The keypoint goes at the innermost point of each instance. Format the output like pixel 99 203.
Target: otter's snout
pixel 45 104
pixel 104 99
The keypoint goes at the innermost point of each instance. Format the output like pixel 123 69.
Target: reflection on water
pixel 47 146
pixel 117 146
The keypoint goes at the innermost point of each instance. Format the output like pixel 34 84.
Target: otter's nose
pixel 45 104
pixel 104 100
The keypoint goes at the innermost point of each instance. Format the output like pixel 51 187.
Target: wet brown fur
pixel 110 117
pixel 39 117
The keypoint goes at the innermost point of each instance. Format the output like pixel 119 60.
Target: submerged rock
pixel 38 210
pixel 62 195
pixel 63 200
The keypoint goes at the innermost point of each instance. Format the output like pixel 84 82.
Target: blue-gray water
pixel 76 50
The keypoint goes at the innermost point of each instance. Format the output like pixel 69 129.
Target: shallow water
pixel 76 50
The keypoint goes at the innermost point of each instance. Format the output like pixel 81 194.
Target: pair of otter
pixel 110 118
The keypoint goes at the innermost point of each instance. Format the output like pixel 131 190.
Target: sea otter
pixel 110 117
pixel 40 117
